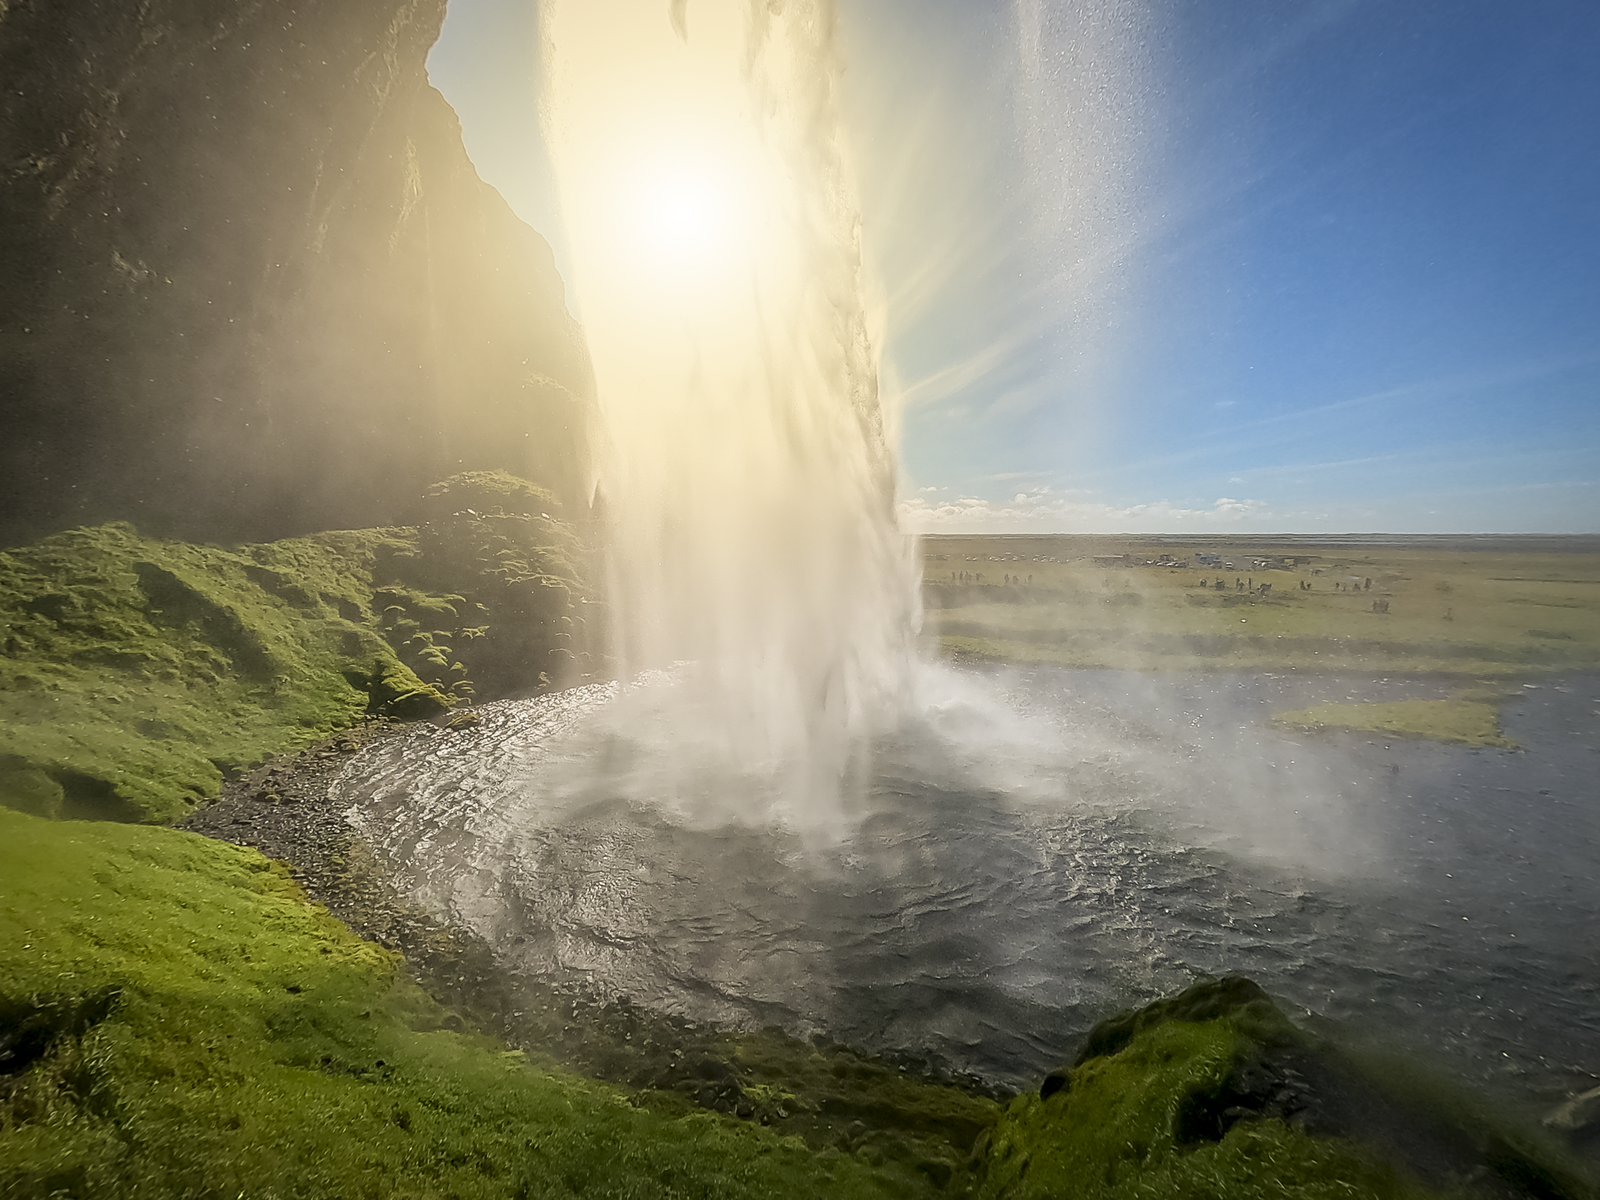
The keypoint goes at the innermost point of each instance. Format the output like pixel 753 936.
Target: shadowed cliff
pixel 250 284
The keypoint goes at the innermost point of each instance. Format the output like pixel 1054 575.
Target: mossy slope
pixel 1215 1094
pixel 180 1022
pixel 134 672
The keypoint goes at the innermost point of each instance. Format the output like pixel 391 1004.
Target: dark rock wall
pixel 251 285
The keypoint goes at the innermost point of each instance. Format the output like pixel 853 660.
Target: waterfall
pixel 748 478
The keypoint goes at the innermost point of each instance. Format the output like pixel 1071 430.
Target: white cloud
pixel 1061 514
pixel 1237 508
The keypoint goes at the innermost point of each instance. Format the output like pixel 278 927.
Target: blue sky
pixel 1167 266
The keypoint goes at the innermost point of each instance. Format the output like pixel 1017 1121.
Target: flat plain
pixel 1482 613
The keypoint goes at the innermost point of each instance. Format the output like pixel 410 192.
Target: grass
pixel 176 1020
pixel 1480 614
pixel 135 672
pixel 1470 717
pixel 1484 614
pixel 182 1023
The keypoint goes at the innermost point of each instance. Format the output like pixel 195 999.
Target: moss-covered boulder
pixel 176 1020
pixel 527 617
pixel 1214 1093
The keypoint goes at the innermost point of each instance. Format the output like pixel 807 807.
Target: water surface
pixel 1028 851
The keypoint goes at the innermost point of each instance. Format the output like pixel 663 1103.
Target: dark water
pixel 1030 851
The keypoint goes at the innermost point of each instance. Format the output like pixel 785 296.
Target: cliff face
pixel 251 285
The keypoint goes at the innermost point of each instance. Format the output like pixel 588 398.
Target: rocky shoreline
pixel 832 1096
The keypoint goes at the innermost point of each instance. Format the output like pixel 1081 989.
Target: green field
pixel 1485 611
pixel 180 1021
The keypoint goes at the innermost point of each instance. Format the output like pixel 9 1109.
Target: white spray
pixel 749 482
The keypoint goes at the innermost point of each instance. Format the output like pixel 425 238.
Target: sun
pixel 682 213
pixel 680 206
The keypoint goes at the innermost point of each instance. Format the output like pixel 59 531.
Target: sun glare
pixel 686 214
pixel 668 186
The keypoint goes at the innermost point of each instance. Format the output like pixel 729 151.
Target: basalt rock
pixel 251 285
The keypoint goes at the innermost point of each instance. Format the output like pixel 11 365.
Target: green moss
pixel 488 492
pixel 195 1028
pixel 1111 1134
pixel 134 672
pixel 524 617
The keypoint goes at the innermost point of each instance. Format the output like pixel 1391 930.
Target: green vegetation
pixel 1470 717
pixel 831 1097
pixel 1214 1094
pixel 882 1110
pixel 1112 1135
pixel 180 1022
pixel 135 672
pixel 1479 615
pixel 523 618
pixel 1475 613
pixel 176 1019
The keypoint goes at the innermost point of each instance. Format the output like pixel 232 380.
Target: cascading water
pixel 749 484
